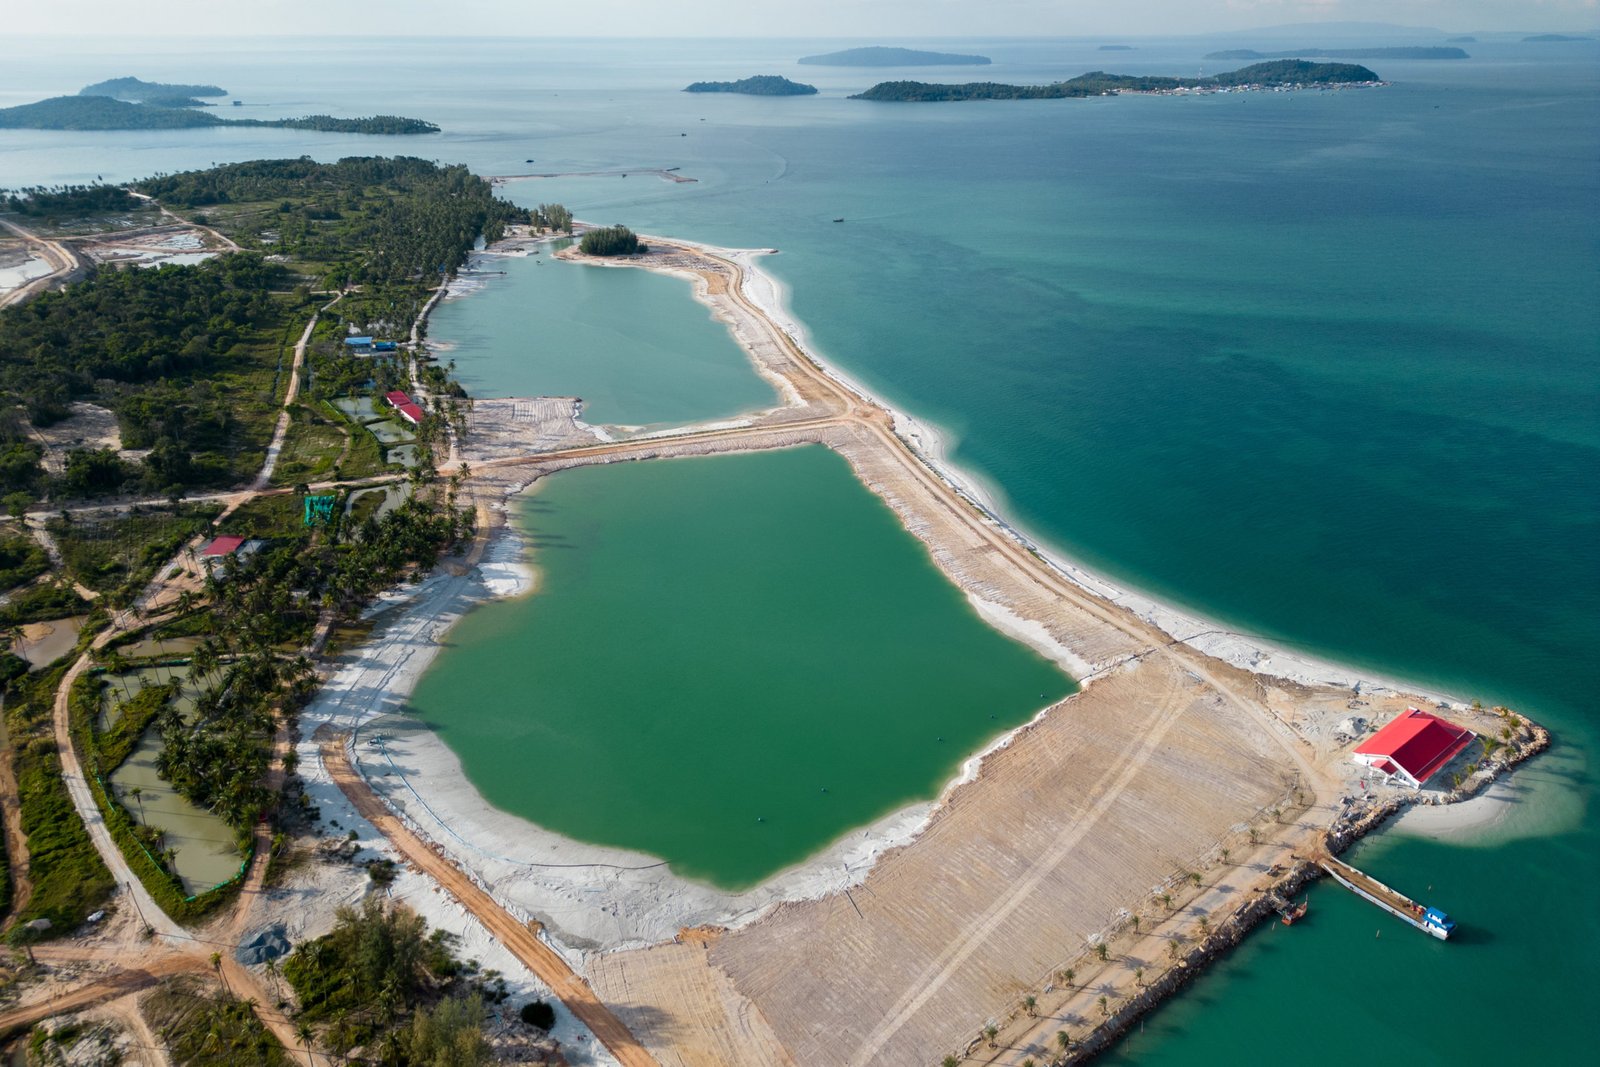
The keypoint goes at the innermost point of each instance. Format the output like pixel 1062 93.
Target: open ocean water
pixel 1322 366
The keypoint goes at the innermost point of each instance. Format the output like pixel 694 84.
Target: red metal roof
pixel 411 412
pixel 222 546
pixel 1419 742
pixel 396 398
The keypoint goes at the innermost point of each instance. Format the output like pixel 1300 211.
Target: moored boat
pixel 1427 919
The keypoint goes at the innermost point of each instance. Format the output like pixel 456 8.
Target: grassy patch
pixel 21 560
pixel 119 556
pixel 204 1027
pixel 269 517
pixel 312 448
pixel 69 878
pixel 42 603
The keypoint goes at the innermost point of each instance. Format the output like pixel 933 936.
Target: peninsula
pixel 760 85
pixel 878 56
pixel 1280 74
pixel 108 113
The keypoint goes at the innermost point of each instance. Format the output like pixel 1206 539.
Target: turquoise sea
pixel 1322 366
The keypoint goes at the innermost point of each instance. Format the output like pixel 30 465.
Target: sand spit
pixel 895 946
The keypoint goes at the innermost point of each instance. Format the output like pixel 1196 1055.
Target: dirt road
pixel 539 958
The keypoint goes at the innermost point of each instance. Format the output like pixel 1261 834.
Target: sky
pixel 780 18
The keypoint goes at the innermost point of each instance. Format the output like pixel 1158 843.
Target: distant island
pixel 1277 74
pixel 106 113
pixel 1345 53
pixel 144 92
pixel 877 56
pixel 1116 48
pixel 760 85
pixel 1545 38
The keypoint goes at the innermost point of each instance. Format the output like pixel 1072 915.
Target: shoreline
pixel 606 915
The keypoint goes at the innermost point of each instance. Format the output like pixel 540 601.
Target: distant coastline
pixel 1344 53
pixel 1279 74
pixel 108 113
pixel 878 56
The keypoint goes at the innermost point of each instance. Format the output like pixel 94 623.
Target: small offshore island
pixel 1282 74
pixel 1344 53
pixel 760 85
pixel 878 56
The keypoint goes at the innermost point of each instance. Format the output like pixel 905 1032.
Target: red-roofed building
pixel 396 398
pixel 410 412
pixel 1413 747
pixel 218 547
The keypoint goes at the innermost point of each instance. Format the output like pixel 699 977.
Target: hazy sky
pixel 775 18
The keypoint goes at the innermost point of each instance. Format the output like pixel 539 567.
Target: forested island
pixel 878 56
pixel 1277 74
pixel 1345 53
pixel 760 85
pixel 141 91
pixel 108 113
pixel 1547 38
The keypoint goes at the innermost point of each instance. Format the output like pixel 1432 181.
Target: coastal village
pixel 1186 793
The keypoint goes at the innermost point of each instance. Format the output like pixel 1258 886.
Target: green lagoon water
pixel 1322 366
pixel 728 662
pixel 633 345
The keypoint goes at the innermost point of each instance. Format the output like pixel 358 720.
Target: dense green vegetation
pixel 760 85
pixel 139 89
pixel 70 200
pixel 379 980
pixel 183 355
pixel 21 559
pixel 109 113
pixel 191 359
pixel 1279 73
pixel 893 57
pixel 553 217
pixel 611 241
pixel 69 878
pixel 1343 53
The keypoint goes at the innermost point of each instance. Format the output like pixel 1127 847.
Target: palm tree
pixel 1172 950
pixel 1133 921
pixel 1105 1006
pixel 1166 901
pixel 951 1061
pixel 303 1031
pixel 1255 836
pixel 1063 1041
pixel 1203 923
pixel 1194 876
pixel 989 1032
pixel 1101 950
pixel 138 798
pixel 1138 976
pixel 1030 1002
pixel 1067 974
pixel 1225 855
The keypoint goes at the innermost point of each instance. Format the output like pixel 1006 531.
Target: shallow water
pixel 727 662
pixel 630 344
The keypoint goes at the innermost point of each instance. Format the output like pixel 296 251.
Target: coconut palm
pixel 1063 1041
pixel 1029 1003
pixel 989 1032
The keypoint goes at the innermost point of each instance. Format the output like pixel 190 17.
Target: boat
pixel 1293 913
pixel 1429 920
pixel 838 220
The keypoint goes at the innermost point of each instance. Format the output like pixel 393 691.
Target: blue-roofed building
pixel 384 346
pixel 358 342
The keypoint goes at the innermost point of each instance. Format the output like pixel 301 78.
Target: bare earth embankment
pixel 1171 762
